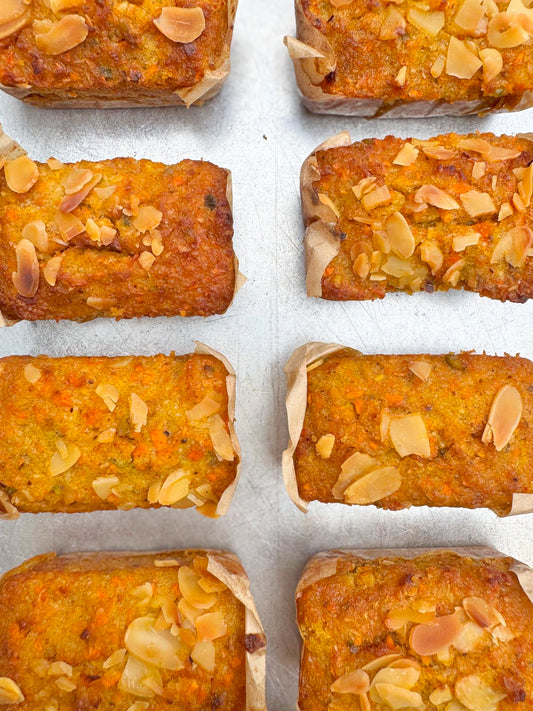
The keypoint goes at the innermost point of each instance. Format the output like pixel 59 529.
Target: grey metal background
pixel 259 130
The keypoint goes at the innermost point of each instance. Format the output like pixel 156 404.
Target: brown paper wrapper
pixel 196 95
pixel 296 404
pixel 9 512
pixel 324 564
pixel 227 568
pixel 314 58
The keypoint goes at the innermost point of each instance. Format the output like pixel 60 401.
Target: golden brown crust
pixel 165 229
pixel 114 433
pixel 106 594
pixel 131 64
pixel 354 607
pixel 400 431
pixel 349 76
pixel 347 257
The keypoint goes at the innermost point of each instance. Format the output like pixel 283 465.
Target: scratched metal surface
pixel 259 130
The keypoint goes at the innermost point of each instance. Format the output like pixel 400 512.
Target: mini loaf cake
pixel 411 215
pixel 402 58
pixel 410 430
pixel 435 630
pixel 101 53
pixel 119 238
pixel 82 434
pixel 130 631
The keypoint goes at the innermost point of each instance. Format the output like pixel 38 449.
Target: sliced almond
pixel 437 67
pixel 146 260
pixel 401 77
pixel 505 31
pixel 421 368
pixel 107 436
pixel 148 217
pixel 157 647
pixel 109 394
pixel 35 231
pixel 205 408
pixel 140 678
pixel 405 677
pixel 9 28
pixel 107 235
pixel 429 22
pixel 181 24
pixel 192 592
pixel 354 682
pixel 351 469
pixel 439 153
pixel 324 446
pixel 76 179
pixel 26 278
pixel 376 198
pixel 51 269
pixel 427 640
pixel 220 438
pixel 362 187
pixel 374 486
pixel 210 626
pixel 468 239
pixel 453 274
pixel 361 266
pixel 116 658
pixel 68 225
pixel 400 236
pixel 203 654
pixel 381 662
pixel 59 5
pixel 492 63
pixel 407 155
pixel 432 255
pixel 175 487
pixel 484 615
pixel 32 374
pixel 473 693
pixel 10 692
pixel 489 152
pixel 393 24
pixel 70 202
pixel 12 10
pixel 21 174
pixel 477 203
pixel 397 698
pixel 398 619
pixel 468 637
pixel 436 197
pixel 478 169
pixel 65 458
pixel 102 485
pixel 471 17
pixel 504 417
pixel 65 684
pixel 505 211
pixel 461 62
pixel 441 695
pixel 397 267
pixel 99 303
pixel 54 38
pixel 138 412
pixel 340 3
pixel 409 436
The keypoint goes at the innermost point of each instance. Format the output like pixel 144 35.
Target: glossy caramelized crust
pixel 407 59
pixel 111 630
pixel 411 215
pixel 108 52
pixel 437 631
pixel 81 434
pixel 417 430
pixel 120 238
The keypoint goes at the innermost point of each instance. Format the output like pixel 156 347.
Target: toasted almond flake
pixel 396 267
pixel 401 77
pixel 175 487
pixel 210 626
pixel 146 260
pixel 26 278
pixel 205 408
pixel 437 67
pixel 409 436
pixel 203 654
pixel 374 486
pixel 92 229
pixel 65 684
pixel 340 3
pixel 324 446
pixel 31 373
pixel 328 203
pixel 439 153
pixel 376 198
pixel 181 24
pixel 12 26
pixel 157 647
pixel 461 62
pixel 351 469
pixel 191 591
pixel 10 692
pixel 453 274
pixel 492 63
pixel 472 17
pixel 429 639
pixel 380 662
pixel 514 247
pixel 99 303
pixel 354 682
pixel 404 677
pixel 393 24
pixel 461 242
pixel 518 203
pixel 378 277
pixel 400 236
pixel 11 10
pixel 489 152
pixel 71 202
pixel 138 412
pixel 103 485
pixel 398 619
pixel 147 218
pixel 68 225
pixel 363 186
pixel 478 169
pixel 138 706
pixel 60 463
pixel 436 197
pixel 144 591
pixel 76 179
pixel 502 633
pixel 473 693
pixel 105 193
pixel 21 174
pixel 210 584
pixel 407 155
pixel 432 255
pixel 60 669
pixel 188 611
pixel 220 438
pixel 54 164
pixel 115 659
pixel 35 232
pixel 429 22
pixel 136 675
pixel 107 235
pixel 421 369
pixel 477 203
pixel 299 50
pixel 441 695
pixel 484 615
pixel 54 38
pixel 153 491
pixel 59 5
pixel 505 31
pixel 505 211
pixel 361 266
pixel 504 417
pixel 109 394
pixel 397 698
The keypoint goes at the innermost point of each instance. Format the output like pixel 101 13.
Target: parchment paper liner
pixel 227 568
pixel 10 149
pixel 8 511
pixel 207 88
pixel 296 405
pixel 311 69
